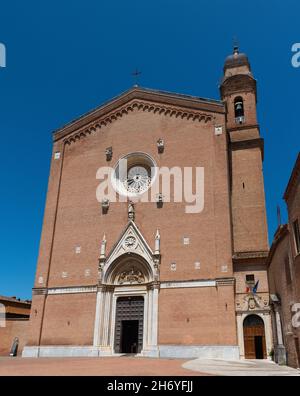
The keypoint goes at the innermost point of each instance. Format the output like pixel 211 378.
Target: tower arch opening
pixel 239 112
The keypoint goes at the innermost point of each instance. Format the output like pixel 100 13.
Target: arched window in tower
pixel 239 110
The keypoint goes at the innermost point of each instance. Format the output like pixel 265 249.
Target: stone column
pixel 268 332
pixel 98 317
pixel 240 335
pixel 106 319
pixel 278 328
pixel 103 323
pixel 149 318
pixel 155 316
pixel 279 349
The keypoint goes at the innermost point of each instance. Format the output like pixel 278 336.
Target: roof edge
pixel 280 233
pixel 197 103
pixel 295 173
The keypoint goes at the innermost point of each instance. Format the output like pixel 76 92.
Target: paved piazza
pixel 240 368
pixel 124 366
pixel 131 366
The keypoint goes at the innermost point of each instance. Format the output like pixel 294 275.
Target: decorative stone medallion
pixel 129 242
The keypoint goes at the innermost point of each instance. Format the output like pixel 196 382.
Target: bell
pixel 238 106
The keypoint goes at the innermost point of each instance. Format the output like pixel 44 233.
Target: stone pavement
pixel 135 366
pixel 240 368
pixel 124 366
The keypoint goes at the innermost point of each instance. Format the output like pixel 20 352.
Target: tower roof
pixel 237 59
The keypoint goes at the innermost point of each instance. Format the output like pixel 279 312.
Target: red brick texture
pixel 14 328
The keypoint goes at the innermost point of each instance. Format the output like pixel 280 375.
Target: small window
pixel 296 235
pixel 239 110
pixel 250 278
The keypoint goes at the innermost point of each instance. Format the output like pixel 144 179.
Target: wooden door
pixel 129 309
pixel 254 338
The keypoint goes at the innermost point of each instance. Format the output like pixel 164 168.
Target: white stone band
pixel 72 290
pixel 163 285
pixel 187 284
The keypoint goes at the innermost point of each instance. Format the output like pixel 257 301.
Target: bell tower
pixel 246 150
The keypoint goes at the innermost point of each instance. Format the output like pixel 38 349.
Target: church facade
pixel 164 276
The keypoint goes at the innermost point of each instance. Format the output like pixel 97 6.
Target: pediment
pixel 132 242
pixel 140 99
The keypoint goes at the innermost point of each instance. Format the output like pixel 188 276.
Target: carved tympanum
pixel 133 275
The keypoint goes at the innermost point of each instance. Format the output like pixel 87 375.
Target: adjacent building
pixel 284 277
pixel 14 320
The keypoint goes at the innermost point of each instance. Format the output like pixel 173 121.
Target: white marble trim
pixel 187 284
pixel 72 290
pixel 163 285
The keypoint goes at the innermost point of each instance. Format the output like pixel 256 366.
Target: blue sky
pixel 65 58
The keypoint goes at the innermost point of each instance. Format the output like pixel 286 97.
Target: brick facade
pixel 189 306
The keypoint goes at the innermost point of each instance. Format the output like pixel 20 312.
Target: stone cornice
pixel 39 291
pixel 240 256
pixel 227 80
pixel 238 83
pixel 244 144
pixel 265 311
pixel 243 127
pixel 225 282
pixel 250 143
pixel 173 105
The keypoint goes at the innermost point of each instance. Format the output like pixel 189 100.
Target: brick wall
pixel 197 316
pixel 14 328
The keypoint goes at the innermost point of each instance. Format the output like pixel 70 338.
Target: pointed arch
pixel 130 245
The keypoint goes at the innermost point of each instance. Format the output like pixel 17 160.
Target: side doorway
pixel 254 337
